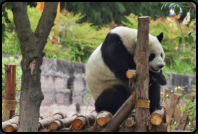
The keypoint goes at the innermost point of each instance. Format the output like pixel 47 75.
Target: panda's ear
pixel 160 37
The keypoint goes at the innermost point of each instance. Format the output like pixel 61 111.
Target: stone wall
pixel 63 82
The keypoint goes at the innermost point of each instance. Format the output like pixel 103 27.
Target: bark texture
pixel 32 45
pixel 142 69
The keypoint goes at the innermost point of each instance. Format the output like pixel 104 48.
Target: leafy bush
pixel 189 108
pixel 77 41
pixel 171 43
pixel 81 39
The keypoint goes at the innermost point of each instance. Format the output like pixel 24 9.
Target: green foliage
pixel 57 51
pixel 101 13
pixel 189 108
pixel 180 65
pixel 79 39
pixel 173 43
pixel 34 16
pixel 5 20
pixel 11 44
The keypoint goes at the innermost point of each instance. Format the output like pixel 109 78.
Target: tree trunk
pixel 32 45
pixel 142 69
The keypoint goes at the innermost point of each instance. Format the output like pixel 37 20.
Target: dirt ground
pixel 68 110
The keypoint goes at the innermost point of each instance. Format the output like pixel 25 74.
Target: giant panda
pixel 107 66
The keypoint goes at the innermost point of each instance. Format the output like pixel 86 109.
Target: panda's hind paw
pixel 158 107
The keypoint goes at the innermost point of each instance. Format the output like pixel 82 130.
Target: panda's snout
pixel 161 66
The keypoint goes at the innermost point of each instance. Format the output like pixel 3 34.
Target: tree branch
pixel 45 24
pixel 4 5
pixel 22 22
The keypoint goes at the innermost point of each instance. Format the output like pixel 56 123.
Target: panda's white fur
pixel 129 38
pixel 100 77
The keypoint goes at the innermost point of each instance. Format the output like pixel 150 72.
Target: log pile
pixel 94 122
pixel 122 121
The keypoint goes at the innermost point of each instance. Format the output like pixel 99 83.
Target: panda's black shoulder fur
pixel 116 56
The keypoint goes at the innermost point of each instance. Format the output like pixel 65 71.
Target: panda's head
pixel 156 53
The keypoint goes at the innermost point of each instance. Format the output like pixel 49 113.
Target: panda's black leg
pixel 112 99
pixel 154 95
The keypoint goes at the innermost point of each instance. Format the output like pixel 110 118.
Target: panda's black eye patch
pixel 161 55
pixel 151 57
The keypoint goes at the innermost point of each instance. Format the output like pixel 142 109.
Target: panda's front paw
pixel 157 107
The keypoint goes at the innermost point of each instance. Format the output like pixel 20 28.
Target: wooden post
pixel 9 102
pixel 142 68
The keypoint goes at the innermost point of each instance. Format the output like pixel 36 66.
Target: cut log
pixel 81 121
pixel 11 128
pixel 130 121
pixel 163 127
pixel 103 118
pixel 167 118
pixel 13 120
pixel 57 124
pixel 131 74
pixel 157 117
pixel 126 129
pixel 177 114
pixel 89 129
pixel 167 103
pixel 172 107
pixel 46 122
pixel 85 129
pixel 78 123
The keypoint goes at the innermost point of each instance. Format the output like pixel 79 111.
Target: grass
pixel 180 66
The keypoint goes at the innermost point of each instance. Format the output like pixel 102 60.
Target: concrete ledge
pixel 63 82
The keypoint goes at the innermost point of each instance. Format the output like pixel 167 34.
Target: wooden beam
pixel 142 69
